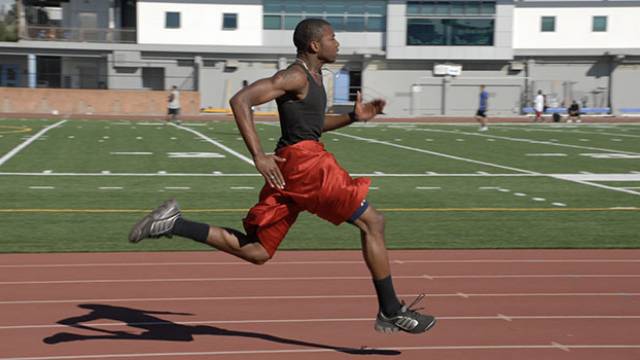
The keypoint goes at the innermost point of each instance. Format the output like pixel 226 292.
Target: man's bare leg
pixel 167 220
pixel 393 315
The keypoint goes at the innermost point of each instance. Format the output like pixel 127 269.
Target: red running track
pixel 491 304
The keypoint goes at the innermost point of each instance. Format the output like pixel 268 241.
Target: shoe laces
pixel 411 308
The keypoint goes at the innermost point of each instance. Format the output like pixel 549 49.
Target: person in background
pixel 174 105
pixel 538 106
pixel 481 114
pixel 574 112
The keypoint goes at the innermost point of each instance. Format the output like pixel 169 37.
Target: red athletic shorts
pixel 314 182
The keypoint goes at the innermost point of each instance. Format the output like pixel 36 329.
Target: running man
pixel 300 176
pixel 481 114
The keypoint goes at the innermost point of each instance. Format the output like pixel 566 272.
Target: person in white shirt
pixel 174 104
pixel 538 106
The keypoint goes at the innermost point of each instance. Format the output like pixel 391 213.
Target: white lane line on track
pixel 321 278
pixel 322 262
pixel 26 143
pixel 330 349
pixel 279 321
pixel 308 297
pixel 216 143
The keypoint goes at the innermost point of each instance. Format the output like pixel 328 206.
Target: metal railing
pixel 53 33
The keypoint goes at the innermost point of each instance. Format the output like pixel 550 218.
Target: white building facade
pixel 571 50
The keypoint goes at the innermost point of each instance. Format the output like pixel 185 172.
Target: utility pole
pixel 21 20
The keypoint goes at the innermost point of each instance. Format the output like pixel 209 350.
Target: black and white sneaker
pixel 157 223
pixel 407 319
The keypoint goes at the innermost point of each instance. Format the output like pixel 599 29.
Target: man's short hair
pixel 307 31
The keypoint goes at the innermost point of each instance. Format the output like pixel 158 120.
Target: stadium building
pixel 425 57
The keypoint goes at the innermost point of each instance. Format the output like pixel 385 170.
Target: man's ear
pixel 314 46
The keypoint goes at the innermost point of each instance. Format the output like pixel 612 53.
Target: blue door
pixel 9 75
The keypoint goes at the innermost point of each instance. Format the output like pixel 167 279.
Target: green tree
pixel 9 26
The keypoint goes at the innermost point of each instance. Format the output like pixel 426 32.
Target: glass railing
pixel 52 33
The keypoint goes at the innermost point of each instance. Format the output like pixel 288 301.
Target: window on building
pixel 229 21
pixel 352 15
pixel 599 23
pixel 548 24
pixel 447 23
pixel 172 20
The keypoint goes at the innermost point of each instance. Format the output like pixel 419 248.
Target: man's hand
pixel 367 111
pixel 266 165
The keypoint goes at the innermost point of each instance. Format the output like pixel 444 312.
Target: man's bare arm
pixel 291 80
pixel 361 112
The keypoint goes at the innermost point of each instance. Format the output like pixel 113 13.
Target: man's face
pixel 328 45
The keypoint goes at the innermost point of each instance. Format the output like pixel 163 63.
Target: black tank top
pixel 302 119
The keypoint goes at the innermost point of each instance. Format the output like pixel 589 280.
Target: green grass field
pixel 80 185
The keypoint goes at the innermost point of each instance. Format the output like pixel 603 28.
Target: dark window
pixel 229 21
pixel 453 22
pixel 351 15
pixel 273 22
pixel 457 32
pixel 599 23
pixel 172 20
pixel 482 8
pixel 290 21
pixel 548 24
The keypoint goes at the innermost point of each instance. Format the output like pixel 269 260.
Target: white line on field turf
pixel 216 143
pixel 486 163
pixel 437 154
pixel 322 262
pixel 131 153
pixel 571 131
pixel 216 173
pixel 500 317
pixel 550 142
pixel 585 176
pixel 329 278
pixel 42 187
pixel 338 349
pixel 309 297
pixel 33 138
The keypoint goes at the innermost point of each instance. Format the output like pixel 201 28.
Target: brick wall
pixel 89 102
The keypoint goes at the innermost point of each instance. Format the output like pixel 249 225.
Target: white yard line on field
pixel 527 140
pixel 573 131
pixel 437 153
pixel 23 145
pixel 572 179
pixel 216 143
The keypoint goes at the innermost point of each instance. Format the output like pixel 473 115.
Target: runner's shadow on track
pixel 155 328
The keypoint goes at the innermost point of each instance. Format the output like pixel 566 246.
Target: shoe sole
pixel 387 328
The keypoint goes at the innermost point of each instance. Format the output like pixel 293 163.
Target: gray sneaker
pixel 157 223
pixel 407 319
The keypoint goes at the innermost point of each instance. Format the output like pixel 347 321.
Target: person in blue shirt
pixel 481 114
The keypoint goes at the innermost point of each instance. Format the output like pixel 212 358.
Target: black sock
pixel 387 299
pixel 191 229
